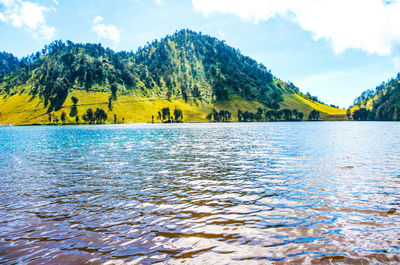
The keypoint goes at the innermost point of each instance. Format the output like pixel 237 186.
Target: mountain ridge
pixel 186 66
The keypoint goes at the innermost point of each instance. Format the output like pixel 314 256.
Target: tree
pixel 314 115
pixel 361 114
pixel 114 88
pixel 258 115
pixel 209 117
pixel 287 114
pixel 215 114
pixel 77 119
pixel 49 117
pixel 115 118
pixel 296 114
pixel 100 116
pixel 269 115
pixel 63 116
pixel 348 114
pixel 74 108
pixel 74 100
pixel 240 115
pixel 88 116
pixel 301 115
pixel 166 114
pixel 248 116
pixel 278 114
pixel 178 114
pixel 110 107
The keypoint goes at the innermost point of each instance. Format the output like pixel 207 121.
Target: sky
pixel 334 49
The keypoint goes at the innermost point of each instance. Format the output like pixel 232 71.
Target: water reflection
pixel 200 193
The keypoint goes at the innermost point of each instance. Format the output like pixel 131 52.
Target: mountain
pixel 381 104
pixel 8 64
pixel 189 69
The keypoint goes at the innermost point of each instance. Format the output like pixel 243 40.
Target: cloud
pixel 109 32
pixel 97 19
pixel 27 15
pixel 369 25
pixel 160 2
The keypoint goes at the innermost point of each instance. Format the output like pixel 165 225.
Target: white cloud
pixel 161 2
pixel 2 17
pixel 27 15
pixel 109 32
pixel 370 25
pixel 97 19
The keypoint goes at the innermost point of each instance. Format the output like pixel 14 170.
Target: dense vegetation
pixel 383 104
pixel 8 64
pixel 185 65
pixel 261 115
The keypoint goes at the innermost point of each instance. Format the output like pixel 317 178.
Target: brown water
pixel 255 193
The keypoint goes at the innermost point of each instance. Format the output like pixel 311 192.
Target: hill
pixel 191 71
pixel 8 64
pixel 383 104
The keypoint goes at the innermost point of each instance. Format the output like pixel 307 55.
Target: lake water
pixel 256 193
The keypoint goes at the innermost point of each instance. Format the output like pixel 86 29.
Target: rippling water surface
pixel 254 193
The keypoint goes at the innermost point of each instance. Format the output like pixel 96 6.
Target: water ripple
pixel 200 193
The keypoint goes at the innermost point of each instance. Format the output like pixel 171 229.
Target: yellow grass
pixel 295 101
pixel 23 109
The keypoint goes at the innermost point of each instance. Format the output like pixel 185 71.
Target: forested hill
pixel 185 65
pixel 382 104
pixel 8 64
pixel 193 74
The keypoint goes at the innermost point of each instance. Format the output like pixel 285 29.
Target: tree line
pixel 166 116
pixel 262 115
pixel 98 116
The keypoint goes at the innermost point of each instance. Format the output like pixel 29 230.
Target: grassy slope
pixel 294 101
pixel 24 109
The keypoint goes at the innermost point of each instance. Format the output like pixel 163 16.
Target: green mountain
pixel 8 64
pixel 194 69
pixel 383 104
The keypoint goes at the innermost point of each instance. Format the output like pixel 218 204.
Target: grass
pixel 22 109
pixel 328 113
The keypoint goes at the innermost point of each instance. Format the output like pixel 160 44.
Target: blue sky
pixel 334 49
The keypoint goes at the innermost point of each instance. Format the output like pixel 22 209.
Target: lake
pixel 234 193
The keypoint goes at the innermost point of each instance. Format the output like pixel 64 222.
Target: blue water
pixel 201 193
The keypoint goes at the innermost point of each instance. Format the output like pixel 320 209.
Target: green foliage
pixel 361 114
pixel 314 115
pixel 383 104
pixel 8 64
pixel 74 100
pixel 63 116
pixel 166 114
pixel 178 115
pixel 219 116
pixel 284 114
pixel 88 116
pixel 100 116
pixel 186 65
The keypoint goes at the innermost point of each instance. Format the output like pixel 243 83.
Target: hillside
pixel 8 64
pixel 383 104
pixel 191 71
